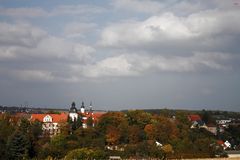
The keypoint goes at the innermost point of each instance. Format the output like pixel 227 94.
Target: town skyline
pixel 121 54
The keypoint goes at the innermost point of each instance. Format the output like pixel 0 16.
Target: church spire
pixel 73 112
pixel 90 107
pixel 73 108
pixel 82 108
pixel 82 105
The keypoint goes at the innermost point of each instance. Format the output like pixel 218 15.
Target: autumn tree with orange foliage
pixel 112 135
pixel 134 134
pixel 149 130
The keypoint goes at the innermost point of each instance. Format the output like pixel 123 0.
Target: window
pixel 47 118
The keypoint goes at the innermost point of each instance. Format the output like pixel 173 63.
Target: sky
pixel 121 54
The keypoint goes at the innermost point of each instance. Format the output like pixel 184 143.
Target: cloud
pixel 137 65
pixel 32 12
pixel 156 28
pixel 76 10
pixel 20 34
pixel 165 42
pixel 23 39
pixel 33 75
pixel 110 67
pixel 210 30
pixel 182 7
pixel 73 30
pixel 59 48
pixel 23 12
pixel 138 6
pixel 38 55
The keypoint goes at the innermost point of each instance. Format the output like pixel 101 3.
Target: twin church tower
pixel 73 112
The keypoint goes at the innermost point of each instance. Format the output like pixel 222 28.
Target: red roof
pixel 194 117
pixel 95 116
pixel 220 142
pixel 56 118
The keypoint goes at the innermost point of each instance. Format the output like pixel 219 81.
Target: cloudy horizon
pixel 121 54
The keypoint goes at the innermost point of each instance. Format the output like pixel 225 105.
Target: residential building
pixel 212 128
pixel 196 121
pixel 50 122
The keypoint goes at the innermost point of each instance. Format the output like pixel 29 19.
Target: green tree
pixel 6 129
pixel 18 145
pixel 89 122
pixel 24 126
pixel 73 125
pixel 205 116
pixel 36 130
pixel 57 147
pixel 89 137
pixel 138 117
pixel 78 122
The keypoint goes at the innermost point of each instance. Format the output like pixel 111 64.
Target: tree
pixel 18 145
pixel 112 135
pixel 139 117
pixel 85 154
pixel 78 122
pixel 111 119
pixel 167 150
pixel 58 145
pixel 117 121
pixel 165 130
pixel 6 129
pixel 134 133
pixel 89 122
pixel 36 130
pixel 24 125
pixel 75 124
pixel 65 128
pixel 89 137
pixel 206 117
pixel 181 117
pixel 150 132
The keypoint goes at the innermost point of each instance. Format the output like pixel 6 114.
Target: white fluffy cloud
pixel 169 27
pixel 135 65
pixel 20 34
pixel 48 57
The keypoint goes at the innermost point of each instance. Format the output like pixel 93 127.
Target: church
pixel 83 114
pixel 51 122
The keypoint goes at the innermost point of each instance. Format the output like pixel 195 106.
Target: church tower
pixel 73 112
pixel 82 108
pixel 90 109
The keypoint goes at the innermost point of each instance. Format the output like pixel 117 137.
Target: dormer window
pixel 47 118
